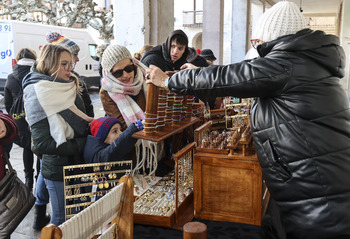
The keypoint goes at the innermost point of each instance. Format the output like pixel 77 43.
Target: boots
pixel 41 219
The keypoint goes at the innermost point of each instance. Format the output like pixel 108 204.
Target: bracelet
pixel 139 124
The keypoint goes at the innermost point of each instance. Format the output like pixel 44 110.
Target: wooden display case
pixel 182 206
pixel 227 184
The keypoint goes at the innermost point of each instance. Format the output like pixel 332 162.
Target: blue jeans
pixel 56 192
pixel 41 193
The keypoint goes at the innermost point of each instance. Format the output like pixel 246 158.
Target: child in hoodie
pixel 107 142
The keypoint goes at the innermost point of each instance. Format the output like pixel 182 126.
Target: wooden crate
pixel 229 188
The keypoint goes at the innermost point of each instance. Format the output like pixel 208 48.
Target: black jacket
pixel 89 108
pixel 55 158
pixel 160 56
pixel 97 151
pixel 300 120
pixel 12 90
pixel 194 58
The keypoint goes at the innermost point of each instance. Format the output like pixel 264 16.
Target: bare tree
pixel 101 20
pixel 62 12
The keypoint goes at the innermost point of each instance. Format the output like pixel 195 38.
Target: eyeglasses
pixel 255 42
pixel 128 69
pixel 67 66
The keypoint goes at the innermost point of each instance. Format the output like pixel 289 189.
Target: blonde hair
pixel 138 55
pixel 49 61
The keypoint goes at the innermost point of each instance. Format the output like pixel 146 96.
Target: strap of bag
pixel 20 87
pixel 7 161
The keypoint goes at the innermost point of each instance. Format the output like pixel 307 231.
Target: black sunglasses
pixel 128 69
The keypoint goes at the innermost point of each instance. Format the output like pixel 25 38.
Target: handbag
pixel 16 200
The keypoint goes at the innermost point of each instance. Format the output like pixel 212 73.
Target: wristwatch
pixel 166 83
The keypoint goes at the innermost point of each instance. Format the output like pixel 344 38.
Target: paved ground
pixel 24 230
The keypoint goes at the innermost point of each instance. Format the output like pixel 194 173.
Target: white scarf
pixel 26 62
pixel 46 99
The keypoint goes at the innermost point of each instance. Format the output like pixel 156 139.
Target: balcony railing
pixel 192 18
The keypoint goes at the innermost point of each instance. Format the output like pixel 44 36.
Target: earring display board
pixel 110 217
pixel 169 203
pixel 85 183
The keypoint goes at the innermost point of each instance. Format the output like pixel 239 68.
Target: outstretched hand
pixel 156 76
pixel 188 66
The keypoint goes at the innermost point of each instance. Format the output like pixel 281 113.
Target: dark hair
pixel 26 53
pixel 179 39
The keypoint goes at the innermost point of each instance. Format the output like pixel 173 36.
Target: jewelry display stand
pixel 85 183
pixel 169 203
pixel 110 217
pixel 228 183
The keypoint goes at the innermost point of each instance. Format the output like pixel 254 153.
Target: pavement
pixel 24 229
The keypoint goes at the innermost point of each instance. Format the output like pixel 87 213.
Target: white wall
pixel 129 28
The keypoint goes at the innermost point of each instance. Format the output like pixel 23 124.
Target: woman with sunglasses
pixel 56 115
pixel 123 87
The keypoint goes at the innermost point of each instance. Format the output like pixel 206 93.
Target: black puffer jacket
pixel 300 120
pixel 12 90
pixel 160 56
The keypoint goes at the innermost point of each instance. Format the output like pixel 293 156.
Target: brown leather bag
pixel 16 200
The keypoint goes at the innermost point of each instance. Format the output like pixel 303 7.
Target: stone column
pixel 345 41
pixel 240 29
pixel 213 25
pixel 140 22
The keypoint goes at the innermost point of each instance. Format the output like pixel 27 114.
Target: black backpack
pixel 18 114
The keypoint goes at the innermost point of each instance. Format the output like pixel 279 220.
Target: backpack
pixel 18 114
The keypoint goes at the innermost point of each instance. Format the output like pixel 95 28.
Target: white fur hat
pixel 281 19
pixel 113 54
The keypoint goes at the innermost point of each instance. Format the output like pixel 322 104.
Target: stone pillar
pixel 345 41
pixel 161 20
pixel 240 29
pixel 213 27
pixel 140 22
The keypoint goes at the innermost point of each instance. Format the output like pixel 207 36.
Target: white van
pixel 15 35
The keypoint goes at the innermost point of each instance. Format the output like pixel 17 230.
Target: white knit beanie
pixel 113 54
pixel 281 19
